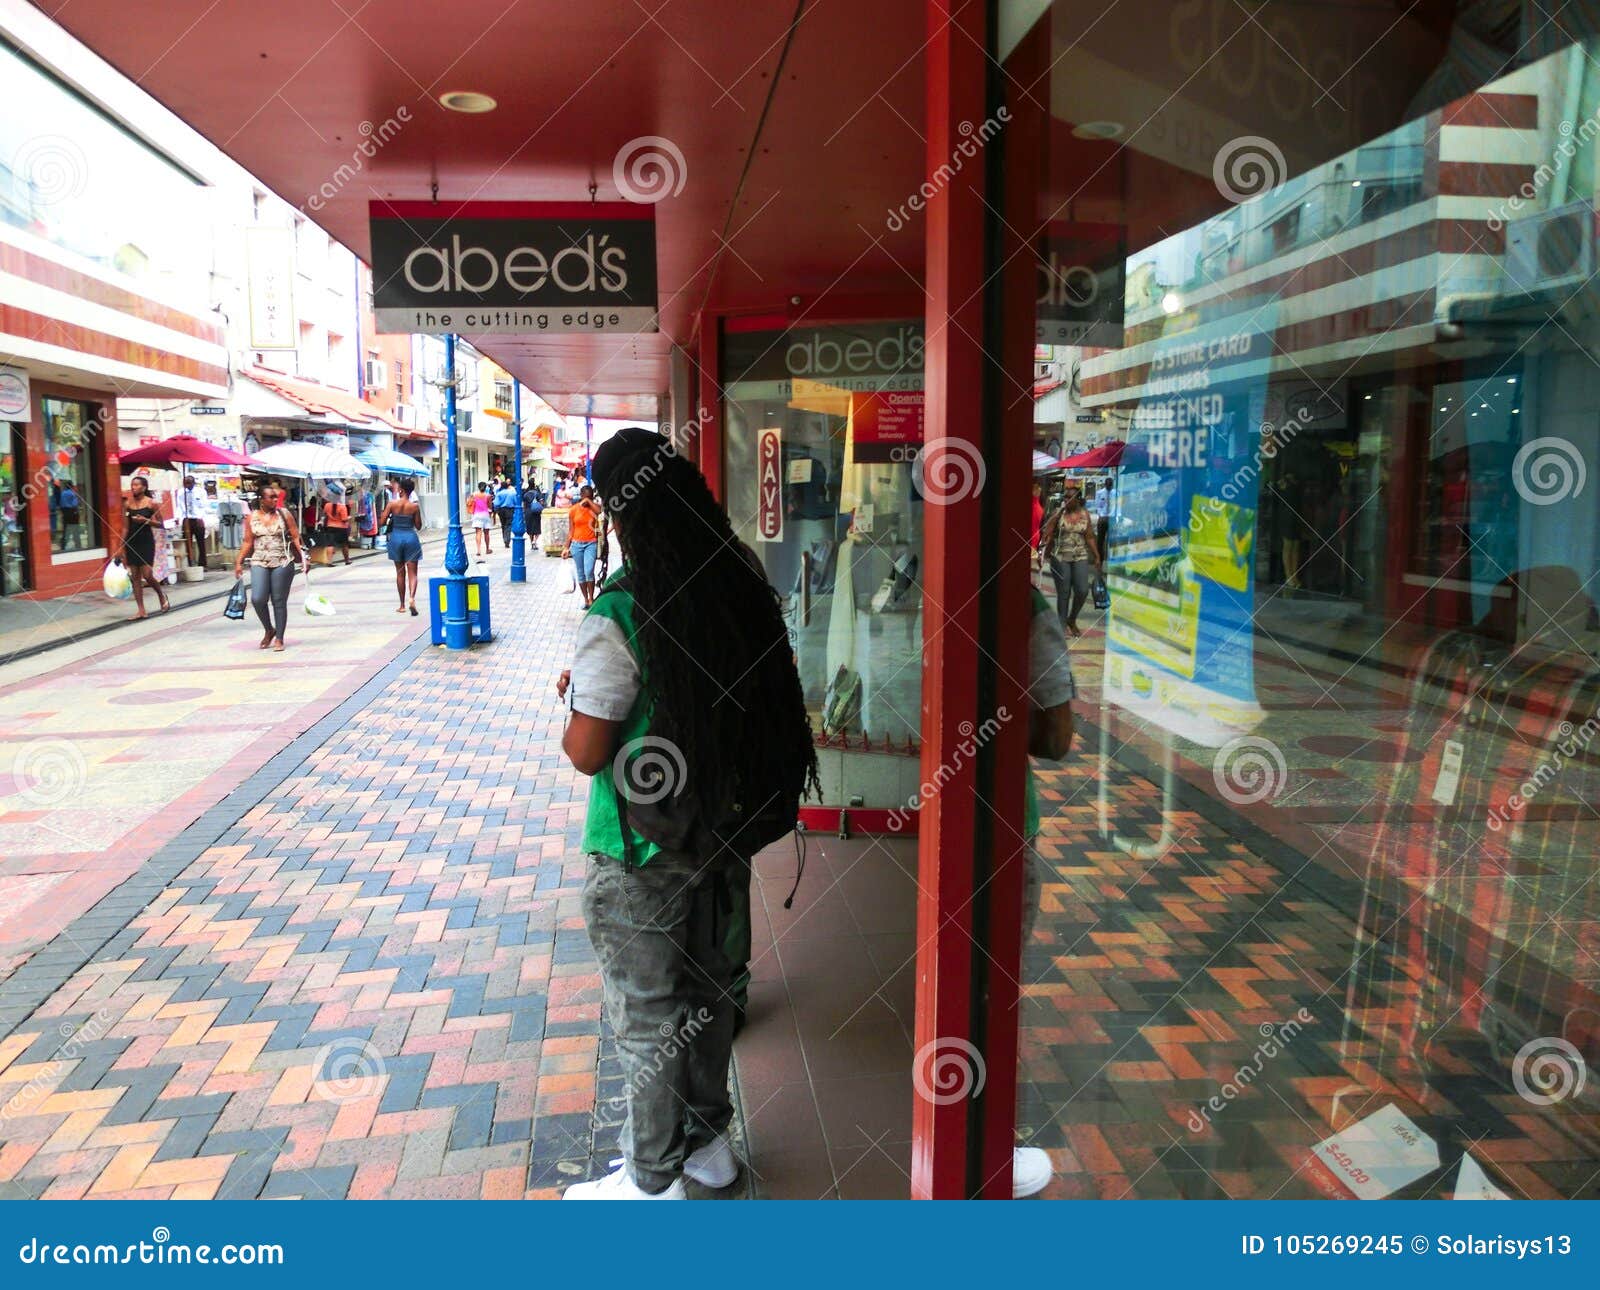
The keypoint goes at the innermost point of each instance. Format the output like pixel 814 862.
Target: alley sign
pixel 513 268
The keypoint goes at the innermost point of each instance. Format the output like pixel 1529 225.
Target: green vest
pixel 602 826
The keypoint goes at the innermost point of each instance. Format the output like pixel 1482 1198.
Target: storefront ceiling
pixel 285 89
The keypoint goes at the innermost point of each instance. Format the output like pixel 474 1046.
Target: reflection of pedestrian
pixel 141 517
pixel 71 517
pixel 272 546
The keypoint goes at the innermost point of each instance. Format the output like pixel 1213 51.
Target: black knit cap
pixel 621 456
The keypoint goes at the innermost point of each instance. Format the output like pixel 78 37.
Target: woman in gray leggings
pixel 272 545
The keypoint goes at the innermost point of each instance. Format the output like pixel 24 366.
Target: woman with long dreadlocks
pixel 682 658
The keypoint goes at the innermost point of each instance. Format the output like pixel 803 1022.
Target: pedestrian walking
pixel 480 507
pixel 583 534
pixel 683 646
pixel 274 551
pixel 190 505
pixel 336 521
pixel 141 517
pixel 505 506
pixel 1069 536
pixel 533 508
pixel 402 521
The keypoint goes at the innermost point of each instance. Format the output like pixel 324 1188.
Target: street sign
pixel 513 268
pixel 202 410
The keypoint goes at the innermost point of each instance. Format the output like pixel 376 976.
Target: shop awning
pixel 311 461
pixel 391 462
pixel 324 400
pixel 1108 456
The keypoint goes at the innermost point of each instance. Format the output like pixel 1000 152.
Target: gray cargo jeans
pixel 659 931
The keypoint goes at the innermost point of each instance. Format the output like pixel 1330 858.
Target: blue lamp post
pixel 457 630
pixel 519 528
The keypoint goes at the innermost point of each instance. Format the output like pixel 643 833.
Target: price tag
pixel 1444 788
pixel 1473 1184
pixel 800 470
pixel 1379 1155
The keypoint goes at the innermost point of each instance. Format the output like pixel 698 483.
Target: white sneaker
pixel 1031 1171
pixel 619 1185
pixel 713 1165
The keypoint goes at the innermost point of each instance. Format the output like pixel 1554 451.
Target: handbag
pixel 1100 592
pixel 234 609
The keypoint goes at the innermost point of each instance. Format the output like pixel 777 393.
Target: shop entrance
pixel 14 571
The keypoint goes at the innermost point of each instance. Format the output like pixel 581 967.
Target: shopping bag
pixel 316 604
pixel 118 585
pixel 1100 592
pixel 234 609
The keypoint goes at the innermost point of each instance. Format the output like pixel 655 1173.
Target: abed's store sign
pixel 506 268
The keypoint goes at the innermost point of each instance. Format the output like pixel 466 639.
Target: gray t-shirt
pixel 605 674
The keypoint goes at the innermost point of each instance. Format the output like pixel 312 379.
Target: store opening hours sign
pixel 769 485
pixel 884 423
pixel 513 268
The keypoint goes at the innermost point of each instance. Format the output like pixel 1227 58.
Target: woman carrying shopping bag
pixel 273 548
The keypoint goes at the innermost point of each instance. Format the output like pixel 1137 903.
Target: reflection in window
pixel 71 441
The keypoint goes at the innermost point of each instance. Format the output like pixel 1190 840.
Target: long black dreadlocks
pixel 713 644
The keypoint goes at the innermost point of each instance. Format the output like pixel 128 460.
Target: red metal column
pixel 707 450
pixel 969 906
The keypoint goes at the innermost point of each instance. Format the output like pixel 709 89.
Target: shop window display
pixel 823 429
pixel 1350 670
pixel 71 441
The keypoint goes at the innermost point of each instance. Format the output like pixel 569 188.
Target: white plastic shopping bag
pixel 118 585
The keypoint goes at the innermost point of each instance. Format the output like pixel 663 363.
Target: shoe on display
pixel 619 1185
pixel 713 1165
pixel 1031 1171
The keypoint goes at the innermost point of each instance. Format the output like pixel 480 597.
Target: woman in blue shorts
pixel 402 520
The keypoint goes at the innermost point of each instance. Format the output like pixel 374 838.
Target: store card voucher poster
pixel 1180 559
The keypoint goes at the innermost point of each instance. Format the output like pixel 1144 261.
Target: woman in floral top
pixel 1074 556
pixel 272 546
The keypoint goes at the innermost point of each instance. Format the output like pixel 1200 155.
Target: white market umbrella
pixel 311 461
pixel 1042 461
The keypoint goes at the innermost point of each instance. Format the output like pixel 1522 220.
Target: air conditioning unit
pixel 1551 250
pixel 406 415
pixel 376 374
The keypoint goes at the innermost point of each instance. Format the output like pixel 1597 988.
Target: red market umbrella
pixel 1107 456
pixel 185 449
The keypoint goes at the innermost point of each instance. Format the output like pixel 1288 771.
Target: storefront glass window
pixel 71 444
pixel 66 172
pixel 13 512
pixel 1321 915
pixel 823 428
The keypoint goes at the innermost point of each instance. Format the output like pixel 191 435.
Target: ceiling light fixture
pixel 467 101
pixel 1098 130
